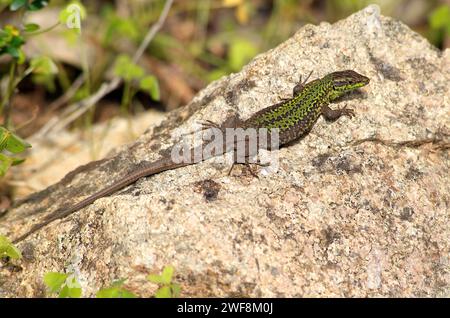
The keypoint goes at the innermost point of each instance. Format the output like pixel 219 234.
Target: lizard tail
pixel 144 170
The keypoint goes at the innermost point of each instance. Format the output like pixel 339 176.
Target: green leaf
pixel 112 292
pixel 164 279
pixel 31 27
pixel 43 65
pixel 5 164
pixel 72 15
pixel 37 5
pixel 16 53
pixel 156 279
pixel 72 282
pixel 7 249
pixel 167 274
pixel 176 289
pixel 12 142
pixel 118 26
pixel 71 289
pixel 127 294
pixel 150 84
pixel 13 51
pixel 11 42
pixel 64 16
pixel 55 281
pixel 4 136
pixel 17 4
pixel 163 292
pixel 17 161
pixel 15 144
pixel 119 282
pixel 64 293
pixel 64 284
pixel 17 41
pixel 440 17
pixel 74 292
pixel 46 80
pixel 126 69
pixel 21 58
pixel 115 291
pixel 241 51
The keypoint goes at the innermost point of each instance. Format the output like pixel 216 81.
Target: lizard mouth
pixel 362 81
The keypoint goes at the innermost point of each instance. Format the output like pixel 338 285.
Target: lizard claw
pixel 348 112
pixel 207 124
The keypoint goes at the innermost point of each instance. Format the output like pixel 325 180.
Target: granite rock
pixel 336 219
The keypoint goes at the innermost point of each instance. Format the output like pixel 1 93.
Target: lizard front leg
pixel 249 165
pixel 334 114
pixel 301 84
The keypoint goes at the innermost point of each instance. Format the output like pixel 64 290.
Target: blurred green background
pixel 200 42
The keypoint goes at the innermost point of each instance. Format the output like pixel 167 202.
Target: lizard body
pixel 292 117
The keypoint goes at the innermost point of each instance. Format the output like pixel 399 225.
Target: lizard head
pixel 346 81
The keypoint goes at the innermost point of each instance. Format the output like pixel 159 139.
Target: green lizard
pixel 293 118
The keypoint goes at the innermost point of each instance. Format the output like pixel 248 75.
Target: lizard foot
pixel 207 124
pixel 347 112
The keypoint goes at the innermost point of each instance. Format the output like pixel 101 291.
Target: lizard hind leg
pixel 306 79
pixel 207 124
pixel 204 125
pixel 232 121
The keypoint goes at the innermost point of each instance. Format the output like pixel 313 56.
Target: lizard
pixel 293 117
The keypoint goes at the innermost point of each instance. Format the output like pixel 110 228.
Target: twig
pixel 63 99
pixel 68 94
pixel 84 105
pixel 152 32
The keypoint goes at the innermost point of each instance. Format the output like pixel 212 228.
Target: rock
pixel 336 219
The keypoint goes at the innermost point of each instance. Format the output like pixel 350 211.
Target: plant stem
pixel 5 107
pixel 126 97
pixel 43 30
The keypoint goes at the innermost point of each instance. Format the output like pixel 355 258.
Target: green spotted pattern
pixel 297 115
